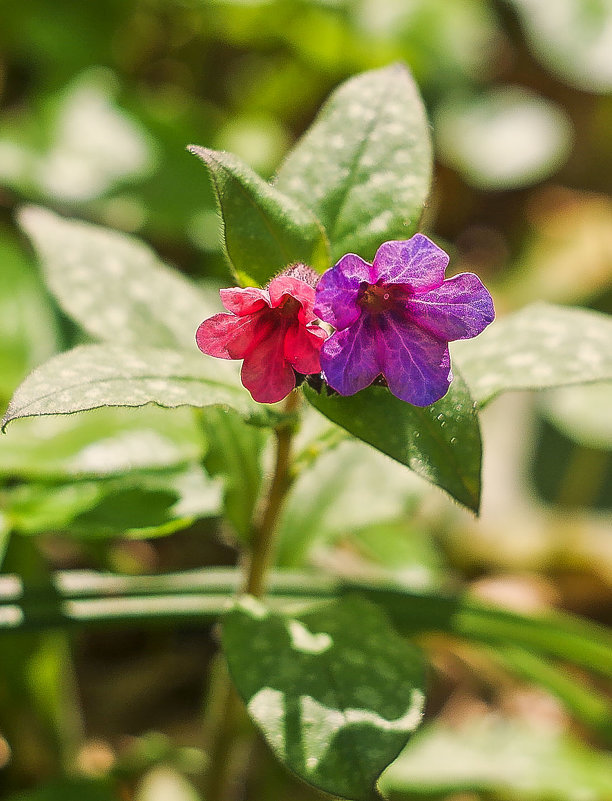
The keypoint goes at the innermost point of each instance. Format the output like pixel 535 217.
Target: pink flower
pixel 272 330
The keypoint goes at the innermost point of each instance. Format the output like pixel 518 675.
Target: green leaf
pixel 336 692
pixel 540 346
pixel 113 285
pixel 364 167
pixel 204 594
pixel 234 452
pixel 91 376
pixel 132 506
pixel 264 231
pixel 405 547
pixel 498 758
pixel 555 634
pixel 441 442
pixel 104 442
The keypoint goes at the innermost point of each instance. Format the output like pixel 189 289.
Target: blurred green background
pixel 97 103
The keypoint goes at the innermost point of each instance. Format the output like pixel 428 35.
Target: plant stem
pixel 225 770
pixel 262 540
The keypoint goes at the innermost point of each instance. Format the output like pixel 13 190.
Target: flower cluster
pixel 393 318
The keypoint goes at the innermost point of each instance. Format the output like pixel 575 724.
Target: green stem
pixel 225 770
pixel 262 539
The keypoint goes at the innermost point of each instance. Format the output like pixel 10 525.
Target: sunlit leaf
pixel 113 285
pixel 91 376
pixel 336 692
pixel 507 138
pixel 441 443
pixel 132 506
pixel 364 166
pixel 101 443
pixel 539 347
pixel 575 43
pixel 264 231
pixel 501 758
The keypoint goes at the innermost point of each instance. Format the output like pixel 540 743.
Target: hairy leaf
pixel 105 442
pixel 264 231
pixel 364 166
pixel 441 442
pixel 540 346
pixel 91 376
pixel 113 285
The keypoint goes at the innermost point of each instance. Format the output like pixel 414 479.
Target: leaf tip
pixel 206 154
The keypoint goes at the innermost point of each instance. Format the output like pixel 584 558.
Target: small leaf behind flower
pixel 441 442
pixel 264 231
pixel 336 692
pixel 364 166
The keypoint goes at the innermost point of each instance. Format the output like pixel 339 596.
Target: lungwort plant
pixel 337 304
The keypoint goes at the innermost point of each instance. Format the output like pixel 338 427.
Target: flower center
pixel 376 298
pixel 288 307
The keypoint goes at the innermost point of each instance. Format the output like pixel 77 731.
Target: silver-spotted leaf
pixel 336 691
pixel 364 166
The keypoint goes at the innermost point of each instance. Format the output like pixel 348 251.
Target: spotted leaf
pixel 364 166
pixel 336 692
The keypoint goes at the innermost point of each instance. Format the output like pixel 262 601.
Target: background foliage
pixel 97 104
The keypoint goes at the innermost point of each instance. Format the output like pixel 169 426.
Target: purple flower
pixel 395 317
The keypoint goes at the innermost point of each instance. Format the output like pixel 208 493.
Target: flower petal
pixel 415 363
pixel 417 262
pixel 459 309
pixel 284 285
pixel 215 335
pixel 302 348
pixel 265 373
pixel 349 359
pixel 245 300
pixel 338 289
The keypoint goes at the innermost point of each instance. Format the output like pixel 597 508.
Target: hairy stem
pixel 262 540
